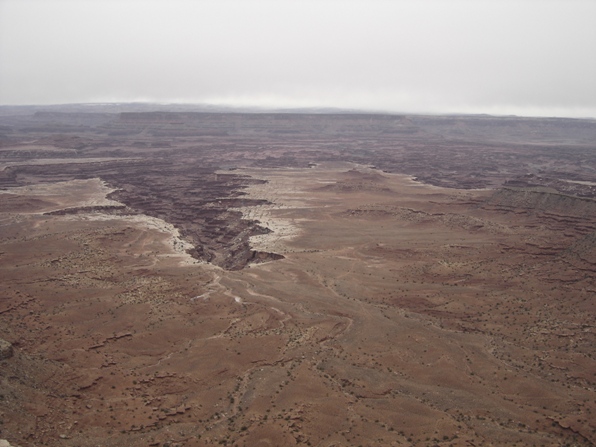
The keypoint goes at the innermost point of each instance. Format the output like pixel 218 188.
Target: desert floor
pixel 401 314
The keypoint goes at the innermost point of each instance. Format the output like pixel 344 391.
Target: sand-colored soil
pixel 52 161
pixel 402 314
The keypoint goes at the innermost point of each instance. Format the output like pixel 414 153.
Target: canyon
pixel 181 277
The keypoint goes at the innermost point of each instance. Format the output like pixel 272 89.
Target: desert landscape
pixel 177 277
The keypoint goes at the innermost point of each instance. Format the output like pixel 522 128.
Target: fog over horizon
pixel 525 57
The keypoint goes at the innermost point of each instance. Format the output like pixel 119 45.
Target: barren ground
pixel 401 313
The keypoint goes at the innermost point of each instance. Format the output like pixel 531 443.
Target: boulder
pixel 5 350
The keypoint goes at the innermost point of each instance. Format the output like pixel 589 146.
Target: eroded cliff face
pixel 559 211
pixel 192 196
pixel 201 204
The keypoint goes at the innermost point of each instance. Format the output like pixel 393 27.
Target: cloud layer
pixel 451 56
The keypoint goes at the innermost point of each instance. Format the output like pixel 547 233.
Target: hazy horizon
pixel 523 58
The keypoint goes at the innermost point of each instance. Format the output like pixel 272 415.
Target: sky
pixel 501 57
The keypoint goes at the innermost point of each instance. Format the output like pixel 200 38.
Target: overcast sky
pixel 523 57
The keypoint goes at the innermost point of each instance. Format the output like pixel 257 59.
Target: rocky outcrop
pixel 6 350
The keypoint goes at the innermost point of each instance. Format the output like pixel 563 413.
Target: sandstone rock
pixel 5 352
